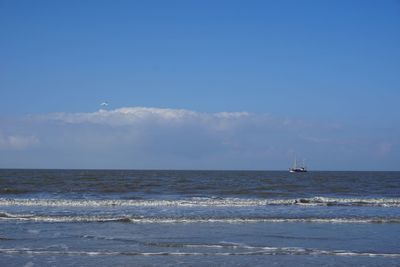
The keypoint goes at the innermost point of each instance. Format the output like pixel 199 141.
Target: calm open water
pixel 198 218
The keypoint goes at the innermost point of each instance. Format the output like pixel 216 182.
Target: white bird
pixel 104 104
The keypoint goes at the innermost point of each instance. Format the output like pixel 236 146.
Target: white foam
pixel 164 220
pixel 203 202
pixel 253 251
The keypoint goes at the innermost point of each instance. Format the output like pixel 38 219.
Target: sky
pixel 200 84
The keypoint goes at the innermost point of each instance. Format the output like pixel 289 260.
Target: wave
pixel 247 251
pixel 204 202
pixel 148 220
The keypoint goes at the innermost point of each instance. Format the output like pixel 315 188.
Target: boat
pixel 297 168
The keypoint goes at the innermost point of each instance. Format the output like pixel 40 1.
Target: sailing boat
pixel 297 168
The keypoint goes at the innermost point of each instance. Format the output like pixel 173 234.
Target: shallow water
pixel 197 218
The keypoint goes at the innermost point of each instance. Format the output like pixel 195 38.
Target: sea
pixel 198 218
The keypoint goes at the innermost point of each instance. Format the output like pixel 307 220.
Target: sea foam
pixel 203 202
pixel 187 219
pixel 244 251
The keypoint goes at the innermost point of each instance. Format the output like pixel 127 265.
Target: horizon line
pixel 216 170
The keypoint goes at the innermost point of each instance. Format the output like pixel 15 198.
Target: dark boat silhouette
pixel 297 168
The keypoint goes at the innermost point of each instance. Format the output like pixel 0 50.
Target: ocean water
pixel 199 218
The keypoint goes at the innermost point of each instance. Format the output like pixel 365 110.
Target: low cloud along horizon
pixel 162 138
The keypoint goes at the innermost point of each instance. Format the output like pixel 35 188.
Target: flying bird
pixel 104 104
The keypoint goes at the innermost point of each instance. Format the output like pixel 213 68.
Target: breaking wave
pixel 147 220
pixel 204 202
pixel 246 250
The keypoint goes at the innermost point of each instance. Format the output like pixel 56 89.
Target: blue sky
pixel 325 73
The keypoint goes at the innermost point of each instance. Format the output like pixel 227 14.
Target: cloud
pixel 148 126
pixel 162 138
pixel 167 138
pixel 133 123
pixel 17 142
pixel 144 115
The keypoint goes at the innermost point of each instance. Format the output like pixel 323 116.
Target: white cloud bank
pixel 142 137
pixel 17 142
pixel 131 116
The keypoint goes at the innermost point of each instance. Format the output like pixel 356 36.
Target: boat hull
pixel 297 170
